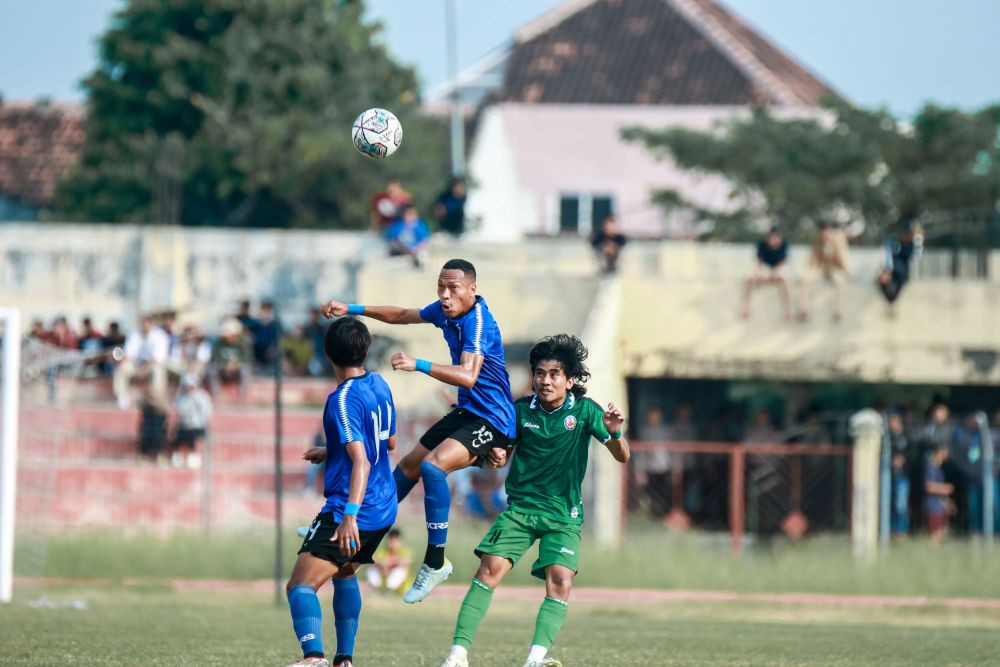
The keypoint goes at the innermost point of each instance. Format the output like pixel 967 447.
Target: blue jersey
pixel 360 410
pixel 477 332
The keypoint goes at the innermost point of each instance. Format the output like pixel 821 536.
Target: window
pixel 581 213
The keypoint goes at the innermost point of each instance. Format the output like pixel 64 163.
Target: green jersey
pixel 546 476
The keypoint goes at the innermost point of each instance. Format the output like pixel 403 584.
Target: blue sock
pixel 403 484
pixel 307 619
pixel 346 610
pixel 437 503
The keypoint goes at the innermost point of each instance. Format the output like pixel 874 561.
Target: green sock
pixel 474 608
pixel 551 615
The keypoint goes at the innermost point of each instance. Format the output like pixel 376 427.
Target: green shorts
pixel 513 533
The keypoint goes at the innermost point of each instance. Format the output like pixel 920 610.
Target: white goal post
pixel 10 376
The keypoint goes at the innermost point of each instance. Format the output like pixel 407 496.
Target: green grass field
pixel 153 625
pixel 135 615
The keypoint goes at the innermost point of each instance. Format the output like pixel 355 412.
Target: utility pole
pixel 457 123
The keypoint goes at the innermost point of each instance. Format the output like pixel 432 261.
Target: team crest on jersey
pixel 570 423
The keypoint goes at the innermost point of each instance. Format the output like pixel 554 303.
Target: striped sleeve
pixel 347 415
pixel 476 331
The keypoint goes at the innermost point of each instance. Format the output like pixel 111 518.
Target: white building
pixel 547 156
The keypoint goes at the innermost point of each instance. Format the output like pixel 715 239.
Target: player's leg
pixel 346 612
pixel 407 471
pixel 309 574
pixel 510 536
pixel 558 562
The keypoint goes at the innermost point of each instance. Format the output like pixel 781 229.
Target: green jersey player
pixel 544 491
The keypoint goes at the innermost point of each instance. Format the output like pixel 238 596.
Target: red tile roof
pixel 665 52
pixel 38 144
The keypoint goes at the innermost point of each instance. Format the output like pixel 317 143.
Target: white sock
pixel 537 653
pixel 458 652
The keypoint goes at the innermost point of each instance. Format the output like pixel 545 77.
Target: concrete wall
pixel 120 271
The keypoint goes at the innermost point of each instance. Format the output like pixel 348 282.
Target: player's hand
pixel 401 361
pixel 333 309
pixel 497 457
pixel 613 418
pixel 347 535
pixel 315 454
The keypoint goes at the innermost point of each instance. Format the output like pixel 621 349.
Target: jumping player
pixel 360 425
pixel 554 428
pixel 482 419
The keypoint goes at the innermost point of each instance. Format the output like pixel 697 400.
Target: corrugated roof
pixel 38 144
pixel 664 52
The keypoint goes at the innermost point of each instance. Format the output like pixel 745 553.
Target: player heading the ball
pixel 483 417
pixel 544 492
pixel 360 424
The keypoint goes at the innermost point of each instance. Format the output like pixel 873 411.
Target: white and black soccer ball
pixel 377 133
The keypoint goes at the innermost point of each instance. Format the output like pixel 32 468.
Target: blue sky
pixel 894 53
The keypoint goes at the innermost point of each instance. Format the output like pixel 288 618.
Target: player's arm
pixel 618 446
pixel 387 314
pixel 465 374
pixel 347 532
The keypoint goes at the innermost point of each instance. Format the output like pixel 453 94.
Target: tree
pixel 238 112
pixel 842 165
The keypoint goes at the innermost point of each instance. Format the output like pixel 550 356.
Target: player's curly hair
pixel 570 352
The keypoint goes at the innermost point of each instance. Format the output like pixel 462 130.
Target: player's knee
pixel 558 584
pixel 489 574
pixel 429 470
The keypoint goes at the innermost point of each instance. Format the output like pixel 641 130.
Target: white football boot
pixel 545 662
pixel 426 581
pixel 311 662
pixel 452 661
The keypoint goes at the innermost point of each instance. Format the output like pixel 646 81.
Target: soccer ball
pixel 377 133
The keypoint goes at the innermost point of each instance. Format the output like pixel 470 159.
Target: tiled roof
pixel 664 52
pixel 38 143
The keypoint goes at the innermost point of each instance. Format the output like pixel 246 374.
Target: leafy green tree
pixel 238 112
pixel 842 165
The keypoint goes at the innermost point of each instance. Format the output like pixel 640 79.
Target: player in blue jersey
pixel 360 425
pixel 482 419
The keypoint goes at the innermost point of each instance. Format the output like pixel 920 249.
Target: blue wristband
pixel 424 366
pixel 351 509
pixel 355 309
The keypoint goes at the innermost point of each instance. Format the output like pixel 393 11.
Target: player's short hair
pixel 347 341
pixel 570 352
pixel 462 265
pixel 394 532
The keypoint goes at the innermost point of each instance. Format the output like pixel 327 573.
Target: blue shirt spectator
pixel 409 235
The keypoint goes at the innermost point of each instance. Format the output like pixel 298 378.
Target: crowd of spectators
pixel 936 466
pixel 829 263
pixel 397 221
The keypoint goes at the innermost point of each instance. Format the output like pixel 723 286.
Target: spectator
pixel 39 333
pixel 315 331
pixel 391 568
pixel 192 354
pixel 827 260
pixel 940 430
pixel 153 423
pixel 899 517
pixel 652 468
pixel 900 249
pixel 267 335
pixel 486 498
pixel 245 318
pixel 145 359
pixel 388 204
pixel 450 208
pixel 296 352
pixel 409 236
pixel 608 242
pixel 772 256
pixel 62 335
pixel 967 457
pixel 114 339
pixel 938 505
pixel 194 412
pixel 231 358
pixel 168 322
pixel 91 342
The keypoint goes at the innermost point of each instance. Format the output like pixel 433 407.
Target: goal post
pixel 10 374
